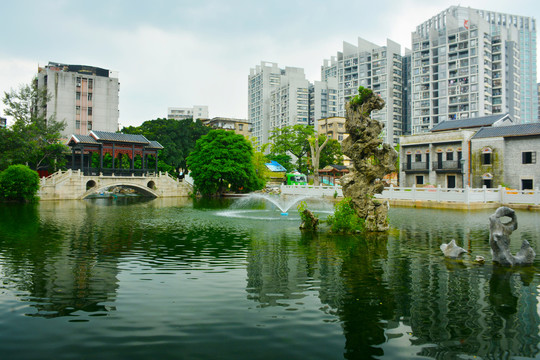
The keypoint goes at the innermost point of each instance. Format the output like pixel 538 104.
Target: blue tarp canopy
pixel 274 166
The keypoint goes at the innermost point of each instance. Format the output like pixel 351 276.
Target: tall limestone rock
pixel 372 160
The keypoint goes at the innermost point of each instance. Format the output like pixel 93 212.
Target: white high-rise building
pixel 468 63
pixel 277 98
pixel 323 101
pixel 181 113
pixel 84 97
pixel 378 68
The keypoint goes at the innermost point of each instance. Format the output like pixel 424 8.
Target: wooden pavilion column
pixel 113 156
pixel 82 159
pixel 132 157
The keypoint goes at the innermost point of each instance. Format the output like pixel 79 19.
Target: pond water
pixel 184 279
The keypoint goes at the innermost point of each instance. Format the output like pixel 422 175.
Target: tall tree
pixel 331 154
pixel 178 138
pixel 316 149
pixel 221 160
pixel 33 139
pixel 293 140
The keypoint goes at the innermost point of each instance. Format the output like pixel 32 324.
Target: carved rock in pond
pixel 499 239
pixel 372 160
pixel 311 221
pixel 452 250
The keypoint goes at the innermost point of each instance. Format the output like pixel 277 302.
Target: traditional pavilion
pixel 332 172
pixel 117 145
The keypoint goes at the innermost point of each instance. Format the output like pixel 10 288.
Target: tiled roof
pixel 119 137
pixel 154 145
pixel 83 139
pixel 509 131
pixel 468 123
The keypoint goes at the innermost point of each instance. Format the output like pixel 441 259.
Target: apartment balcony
pixel 447 166
pixel 415 167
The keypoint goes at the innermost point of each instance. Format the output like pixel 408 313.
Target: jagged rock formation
pixel 499 240
pixel 452 250
pixel 310 221
pixel 371 158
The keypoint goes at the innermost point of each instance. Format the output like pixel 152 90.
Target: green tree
pixel 293 140
pixel 19 182
pixel 177 137
pixel 332 154
pixel 316 145
pixel 33 139
pixel 221 160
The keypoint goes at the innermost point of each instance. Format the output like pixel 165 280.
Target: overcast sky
pixel 184 53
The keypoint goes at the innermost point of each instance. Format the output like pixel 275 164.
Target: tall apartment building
pixel 181 113
pixel 282 97
pixel 323 101
pixel 375 67
pixel 468 63
pixel 84 97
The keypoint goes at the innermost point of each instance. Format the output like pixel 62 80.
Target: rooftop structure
pixel 84 97
pixel 182 113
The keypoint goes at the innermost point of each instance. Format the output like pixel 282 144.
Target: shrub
pixel 310 221
pixel 19 182
pixel 363 95
pixel 344 218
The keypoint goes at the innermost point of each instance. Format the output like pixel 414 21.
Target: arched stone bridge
pixel 65 185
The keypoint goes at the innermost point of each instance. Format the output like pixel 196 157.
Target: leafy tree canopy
pixel 178 138
pixel 293 140
pixel 19 183
pixel 221 160
pixel 331 154
pixel 33 139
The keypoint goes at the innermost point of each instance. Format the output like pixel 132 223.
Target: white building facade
pixel 375 67
pixel 468 63
pixel 182 113
pixel 84 97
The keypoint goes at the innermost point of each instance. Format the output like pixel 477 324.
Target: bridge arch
pixel 90 184
pixel 143 189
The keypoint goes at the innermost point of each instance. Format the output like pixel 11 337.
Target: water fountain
pixel 246 207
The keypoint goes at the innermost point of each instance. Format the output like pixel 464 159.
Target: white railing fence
pixel 468 195
pixel 310 190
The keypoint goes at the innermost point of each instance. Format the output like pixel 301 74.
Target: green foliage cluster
pixel 361 97
pixel 33 139
pixel 222 161
pixel 295 140
pixel 178 138
pixel 19 183
pixel 344 219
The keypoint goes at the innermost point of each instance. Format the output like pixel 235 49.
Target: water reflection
pixel 191 277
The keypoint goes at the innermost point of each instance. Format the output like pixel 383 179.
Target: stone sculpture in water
pixel 372 160
pixel 499 239
pixel 452 250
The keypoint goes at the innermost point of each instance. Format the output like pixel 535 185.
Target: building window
pixel 89 110
pixel 77 110
pixel 486 156
pixel 89 125
pixel 240 127
pixel 449 156
pixel 77 124
pixel 78 82
pixel 90 83
pixel 526 184
pixel 78 95
pixel 89 96
pixel 528 157
pixel 417 157
pixel 420 180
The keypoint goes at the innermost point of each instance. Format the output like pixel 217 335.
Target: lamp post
pixel 462 161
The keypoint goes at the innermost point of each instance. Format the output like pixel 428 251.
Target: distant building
pixel 323 100
pixel 181 113
pixel 3 122
pixel 375 67
pixel 239 126
pixel 468 63
pixel 442 156
pixel 84 97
